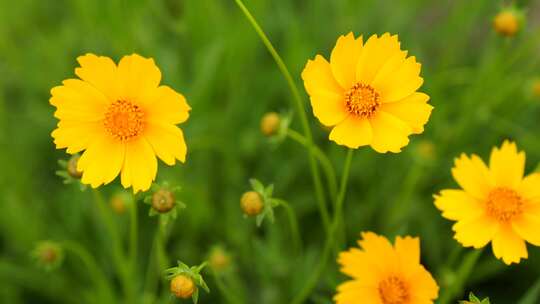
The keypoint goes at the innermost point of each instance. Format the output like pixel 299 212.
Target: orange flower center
pixel 504 203
pixel 362 100
pixel 393 290
pixel 124 120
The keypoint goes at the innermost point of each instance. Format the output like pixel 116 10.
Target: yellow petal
pixel 408 253
pixel 389 68
pixel 353 132
pixel 375 53
pixel 475 232
pixel 380 250
pixel 458 205
pixel 138 77
pixel 344 58
pixel 358 264
pixel 99 71
pixel 529 188
pixel 167 141
pixel 401 83
pixel 76 136
pixel 328 107
pixel 413 110
pixel 528 227
pixel 507 165
pixel 389 133
pixel 165 105
pixel 77 100
pixel 318 77
pixel 351 291
pixel 102 161
pixel 508 246
pixel 140 165
pixel 472 175
pixel 424 288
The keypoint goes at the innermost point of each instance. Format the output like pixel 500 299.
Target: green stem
pixel 330 238
pixel 229 296
pixel 462 275
pixel 118 257
pixel 321 157
pixel 299 108
pixel 96 273
pixel 133 236
pixel 293 222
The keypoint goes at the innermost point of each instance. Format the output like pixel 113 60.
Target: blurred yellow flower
pixel 535 87
pixel 497 204
pixel 507 22
pixel 385 274
pixel 367 93
pixel 121 118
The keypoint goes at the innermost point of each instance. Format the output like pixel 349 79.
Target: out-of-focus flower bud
pixel 270 123
pixel 251 203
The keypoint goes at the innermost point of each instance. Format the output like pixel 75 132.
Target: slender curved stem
pixel 321 157
pixel 133 235
pixel 462 274
pixel 323 209
pixel 158 260
pixel 98 276
pixel 229 296
pixel 293 222
pixel 122 267
pixel 330 238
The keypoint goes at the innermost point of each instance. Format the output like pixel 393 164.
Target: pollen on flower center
pixel 504 203
pixel 393 290
pixel 362 100
pixel 124 120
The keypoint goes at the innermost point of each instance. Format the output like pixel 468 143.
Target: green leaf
pixel 257 185
pixel 532 295
pixel 269 190
pixel 195 296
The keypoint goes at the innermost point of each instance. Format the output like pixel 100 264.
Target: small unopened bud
pixel 118 203
pixel 183 286
pixel 535 87
pixel 507 22
pixel 426 149
pixel 251 203
pixel 270 123
pixel 48 254
pixel 163 201
pixel 219 260
pixel 72 167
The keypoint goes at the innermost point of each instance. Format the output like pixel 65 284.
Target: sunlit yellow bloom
pixel 121 118
pixel 497 204
pixel 507 22
pixel 367 93
pixel 385 274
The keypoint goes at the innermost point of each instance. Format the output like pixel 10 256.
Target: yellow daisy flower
pixel 497 204
pixel 121 118
pixel 385 274
pixel 367 93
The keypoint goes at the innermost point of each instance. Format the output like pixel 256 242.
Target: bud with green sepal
pixel 69 172
pixel 185 281
pixel 163 201
pixel 268 202
pixel 48 255
pixel 275 126
pixel 474 300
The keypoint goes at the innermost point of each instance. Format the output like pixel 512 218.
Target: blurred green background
pixel 479 83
